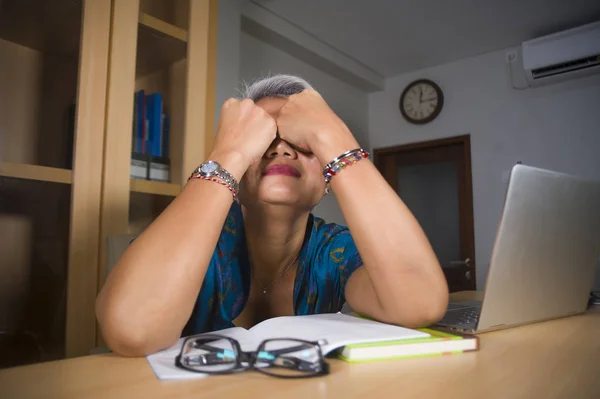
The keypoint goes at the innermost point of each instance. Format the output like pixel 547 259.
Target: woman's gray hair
pixel 274 86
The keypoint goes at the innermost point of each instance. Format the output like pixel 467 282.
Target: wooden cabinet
pixel 68 76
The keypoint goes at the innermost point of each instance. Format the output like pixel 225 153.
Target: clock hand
pixel 420 94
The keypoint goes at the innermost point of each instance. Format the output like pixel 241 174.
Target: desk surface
pixel 553 359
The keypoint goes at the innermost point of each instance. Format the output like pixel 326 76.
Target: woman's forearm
pixel 404 272
pixel 150 293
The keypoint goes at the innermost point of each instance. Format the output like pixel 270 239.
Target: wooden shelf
pixel 160 45
pixel 47 26
pixel 35 172
pixel 163 27
pixel 154 187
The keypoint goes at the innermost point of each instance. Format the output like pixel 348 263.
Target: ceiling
pixel 396 36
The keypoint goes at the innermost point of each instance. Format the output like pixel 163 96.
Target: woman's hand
pixel 310 125
pixel 244 134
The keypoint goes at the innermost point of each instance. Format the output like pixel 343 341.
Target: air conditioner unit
pixel 563 55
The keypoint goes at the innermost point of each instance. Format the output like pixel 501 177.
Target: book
pixel 166 130
pixel 140 166
pixel 337 329
pixel 437 344
pixel 138 117
pixel 159 169
pixel 155 126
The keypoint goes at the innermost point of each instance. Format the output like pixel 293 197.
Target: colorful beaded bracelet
pixel 346 159
pixel 220 182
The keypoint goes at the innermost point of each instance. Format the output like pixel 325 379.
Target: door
pixel 434 180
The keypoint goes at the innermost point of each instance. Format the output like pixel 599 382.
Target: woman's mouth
pixel 281 169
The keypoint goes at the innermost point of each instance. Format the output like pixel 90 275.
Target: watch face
pixel 209 167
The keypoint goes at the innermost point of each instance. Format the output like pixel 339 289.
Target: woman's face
pixel 283 176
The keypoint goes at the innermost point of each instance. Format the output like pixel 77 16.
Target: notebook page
pixel 163 362
pixel 336 328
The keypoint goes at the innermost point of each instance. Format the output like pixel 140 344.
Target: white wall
pixel 555 127
pixel 259 59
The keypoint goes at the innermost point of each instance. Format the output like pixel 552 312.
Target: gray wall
pixel 555 127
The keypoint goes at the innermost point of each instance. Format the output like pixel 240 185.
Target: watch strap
pixel 213 171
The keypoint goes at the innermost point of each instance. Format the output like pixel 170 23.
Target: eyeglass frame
pixel 251 358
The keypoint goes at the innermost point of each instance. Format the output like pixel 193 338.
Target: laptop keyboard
pixel 461 317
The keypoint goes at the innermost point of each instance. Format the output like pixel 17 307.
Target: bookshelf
pixel 166 47
pixel 39 45
pixel 68 75
pixel 52 87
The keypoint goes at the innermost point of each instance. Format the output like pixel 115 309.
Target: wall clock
pixel 421 101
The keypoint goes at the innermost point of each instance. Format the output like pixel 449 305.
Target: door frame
pixel 383 160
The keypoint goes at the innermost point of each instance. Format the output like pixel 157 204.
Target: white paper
pixel 163 362
pixel 336 328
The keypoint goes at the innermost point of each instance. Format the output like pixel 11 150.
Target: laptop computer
pixel 544 257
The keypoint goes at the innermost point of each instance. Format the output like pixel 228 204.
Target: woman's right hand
pixel 244 134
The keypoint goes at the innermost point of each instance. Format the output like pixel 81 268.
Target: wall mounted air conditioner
pixel 563 55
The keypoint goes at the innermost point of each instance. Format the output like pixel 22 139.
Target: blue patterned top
pixel 327 259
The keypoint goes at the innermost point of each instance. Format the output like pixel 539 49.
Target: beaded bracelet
pixel 235 198
pixel 346 159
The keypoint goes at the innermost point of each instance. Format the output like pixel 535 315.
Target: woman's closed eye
pixel 294 147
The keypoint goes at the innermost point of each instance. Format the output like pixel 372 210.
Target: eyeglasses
pixel 285 358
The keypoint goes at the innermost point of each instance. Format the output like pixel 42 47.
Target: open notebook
pixel 336 328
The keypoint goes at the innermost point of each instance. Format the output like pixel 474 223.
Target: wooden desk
pixel 553 359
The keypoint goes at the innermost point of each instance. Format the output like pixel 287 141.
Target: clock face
pixel 421 101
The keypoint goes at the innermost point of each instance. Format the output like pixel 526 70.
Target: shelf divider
pixel 35 172
pixel 154 187
pixel 163 27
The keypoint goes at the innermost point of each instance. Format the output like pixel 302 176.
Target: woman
pixel 210 263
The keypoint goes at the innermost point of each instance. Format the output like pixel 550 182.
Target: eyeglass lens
pixel 209 354
pixel 288 358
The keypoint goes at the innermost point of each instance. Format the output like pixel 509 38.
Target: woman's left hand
pixel 310 125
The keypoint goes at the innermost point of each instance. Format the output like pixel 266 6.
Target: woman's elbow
pixel 432 300
pixel 422 317
pixel 432 310
pixel 422 309
pixel 123 336
pixel 124 344
pixel 434 304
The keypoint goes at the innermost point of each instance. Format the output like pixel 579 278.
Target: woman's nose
pixel 280 147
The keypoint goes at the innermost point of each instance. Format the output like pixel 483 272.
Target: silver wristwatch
pixel 213 169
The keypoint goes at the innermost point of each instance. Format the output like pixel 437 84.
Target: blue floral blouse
pixel 327 259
